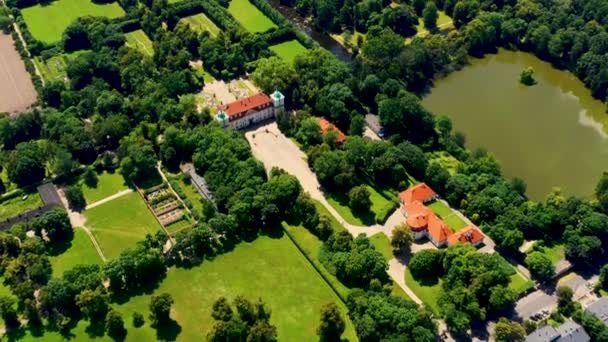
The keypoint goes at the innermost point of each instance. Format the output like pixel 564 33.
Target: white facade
pixel 251 117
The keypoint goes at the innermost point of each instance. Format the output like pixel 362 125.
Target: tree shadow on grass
pixel 96 328
pixel 168 331
pixel 367 218
pixel 58 247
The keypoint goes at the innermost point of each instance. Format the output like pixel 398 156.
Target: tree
pixel 540 266
pixel 26 164
pixel 358 199
pixel 332 324
pixel 94 304
pixel 436 176
pixel 222 310
pixel 601 192
pixel 75 197
pixel 564 295
pixel 401 239
pixel 425 265
pixel 138 319
pixel 508 331
pixel 90 178
pixel 526 77
pixel 430 16
pixel 8 311
pixel 603 281
pixel 160 309
pixel 309 132
pixel 274 73
pixel 55 223
pixel 115 326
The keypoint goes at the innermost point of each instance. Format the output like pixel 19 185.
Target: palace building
pixel 250 110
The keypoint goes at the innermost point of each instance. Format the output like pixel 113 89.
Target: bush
pixel 90 178
pixel 138 319
pixel 426 265
pixel 75 197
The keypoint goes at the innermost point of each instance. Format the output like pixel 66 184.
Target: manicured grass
pixel 17 205
pixel 555 253
pixel 80 252
pixel 288 50
pixel 447 215
pixel 120 223
pixel 108 184
pixel 427 294
pixel 200 23
pixel 139 41
pixel 48 22
pixel 381 208
pixel 520 284
pixel 271 269
pixel 382 244
pixel 252 19
pixel 182 224
pixel 442 19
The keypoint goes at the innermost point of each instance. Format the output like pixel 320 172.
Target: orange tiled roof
pixel 437 229
pixel 470 234
pixel 326 126
pixel 417 215
pixel 244 105
pixel 419 192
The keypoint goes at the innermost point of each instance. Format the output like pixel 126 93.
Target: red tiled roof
pixel 326 126
pixel 470 234
pixel 417 215
pixel 437 229
pixel 419 192
pixel 244 105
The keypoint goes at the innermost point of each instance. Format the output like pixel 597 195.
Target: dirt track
pixel 17 92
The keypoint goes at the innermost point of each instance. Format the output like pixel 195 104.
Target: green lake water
pixel 550 134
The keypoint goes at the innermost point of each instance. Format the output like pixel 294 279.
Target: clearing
pixel 249 16
pixel 81 251
pixel 200 23
pixel 427 293
pixel 17 205
pixel 139 41
pixel 48 22
pixel 55 68
pixel 17 91
pixel 288 50
pixel 380 210
pixel 121 223
pixel 108 184
pixel 447 215
pixel 555 253
pixel 382 244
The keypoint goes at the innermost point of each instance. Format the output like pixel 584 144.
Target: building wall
pixel 252 118
pixel 419 235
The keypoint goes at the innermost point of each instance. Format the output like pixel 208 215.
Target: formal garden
pixel 249 16
pixel 288 50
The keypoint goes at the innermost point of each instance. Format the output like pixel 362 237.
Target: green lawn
pixel 442 19
pixel 381 208
pixel 120 223
pixel 200 23
pixel 520 284
pixel 288 50
pixel 427 294
pixel 252 19
pixel 555 253
pixel 447 215
pixel 193 195
pixel 139 41
pixel 48 22
pixel 17 205
pixel 80 252
pixel 382 244
pixel 108 184
pixel 55 68
pixel 271 269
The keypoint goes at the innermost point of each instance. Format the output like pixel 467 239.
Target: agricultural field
pixel 288 50
pixel 48 22
pixel 121 223
pixel 139 40
pixel 249 16
pixel 447 215
pixel 108 184
pixel 55 68
pixel 19 204
pixel 81 251
pixel 200 23
pixel 381 208
pixel 17 91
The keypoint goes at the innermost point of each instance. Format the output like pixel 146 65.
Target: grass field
pixel 447 215
pixel 427 294
pixel 120 223
pixel 382 244
pixel 108 184
pixel 271 269
pixel 80 252
pixel 138 40
pixel 519 284
pixel 555 253
pixel 47 23
pixel 288 50
pixel 18 205
pixel 200 23
pixel 381 208
pixel 252 19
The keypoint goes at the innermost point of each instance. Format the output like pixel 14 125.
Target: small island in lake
pixel 527 77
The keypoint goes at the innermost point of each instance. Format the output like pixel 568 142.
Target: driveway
pixel 535 302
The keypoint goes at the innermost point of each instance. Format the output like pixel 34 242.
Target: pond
pixel 550 134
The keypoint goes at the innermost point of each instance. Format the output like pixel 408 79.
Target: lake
pixel 550 134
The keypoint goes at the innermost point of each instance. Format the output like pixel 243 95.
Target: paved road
pixel 535 302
